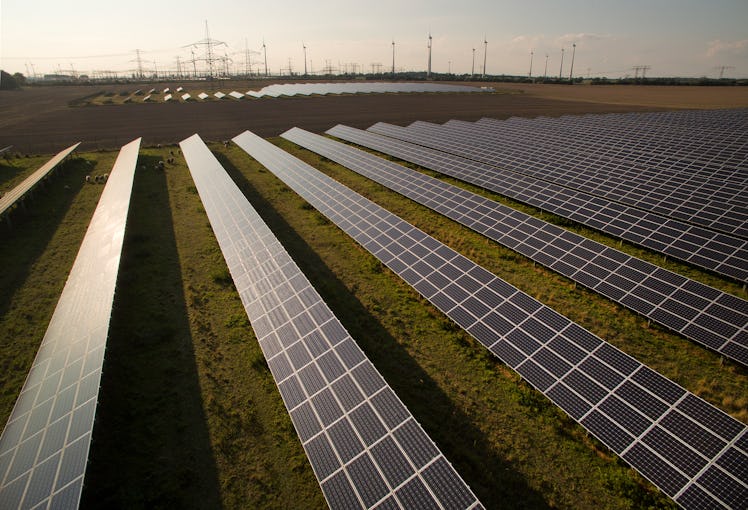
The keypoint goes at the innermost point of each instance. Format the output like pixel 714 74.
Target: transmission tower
pixel 139 60
pixel 209 45
pixel 643 69
pixel 722 70
pixel 561 69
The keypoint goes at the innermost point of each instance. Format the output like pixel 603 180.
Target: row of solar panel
pixel 305 89
pixel 44 446
pixel 701 247
pixel 692 451
pixel 202 96
pixel 713 130
pixel 17 194
pixel 706 315
pixel 662 158
pixel 363 444
pixel 568 163
pixel 713 145
pixel 674 185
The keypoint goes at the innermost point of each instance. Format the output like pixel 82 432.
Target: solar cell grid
pixel 567 161
pixel 44 446
pixel 727 258
pixel 632 282
pixel 712 146
pixel 328 196
pixel 340 406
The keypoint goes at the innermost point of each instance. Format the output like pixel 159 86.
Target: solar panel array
pixel 305 89
pixel 13 196
pixel 701 313
pixel 696 245
pixel 706 143
pixel 692 451
pixel 44 447
pixel 365 447
pixel 584 160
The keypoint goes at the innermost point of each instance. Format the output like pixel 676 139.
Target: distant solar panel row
pixel 582 168
pixel 716 149
pixel 363 444
pixel 10 198
pixel 692 451
pixel 673 186
pixel 44 447
pixel 704 248
pixel 706 315
pixel 664 157
pixel 305 89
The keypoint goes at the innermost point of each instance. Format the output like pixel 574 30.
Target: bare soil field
pixel 40 119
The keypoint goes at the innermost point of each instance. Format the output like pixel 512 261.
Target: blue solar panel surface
pixel 577 158
pixel 365 447
pixel 693 244
pixel 688 448
pixel 701 313
pixel 44 447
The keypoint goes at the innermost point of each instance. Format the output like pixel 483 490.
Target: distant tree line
pixel 11 82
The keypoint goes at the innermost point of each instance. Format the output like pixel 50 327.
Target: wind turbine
pixel 485 51
pixel 304 45
pixel 393 58
pixel 265 51
pixel 531 55
pixel 428 72
pixel 472 72
pixel 573 52
pixel 561 70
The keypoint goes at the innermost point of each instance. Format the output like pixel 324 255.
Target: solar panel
pixel 362 88
pixel 692 144
pixel 707 249
pixel 13 196
pixel 186 97
pixel 365 447
pixel 219 95
pixel 203 95
pixel 167 97
pixel 578 158
pixel 44 446
pixel 676 302
pixel 615 397
pixel 236 95
pixel 147 98
pixel 180 89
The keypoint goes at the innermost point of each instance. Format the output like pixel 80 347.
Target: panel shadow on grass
pixel 491 477
pixel 151 447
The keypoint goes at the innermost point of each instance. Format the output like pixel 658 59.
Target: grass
pixel 189 415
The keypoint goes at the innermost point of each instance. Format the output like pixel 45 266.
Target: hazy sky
pixel 674 37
